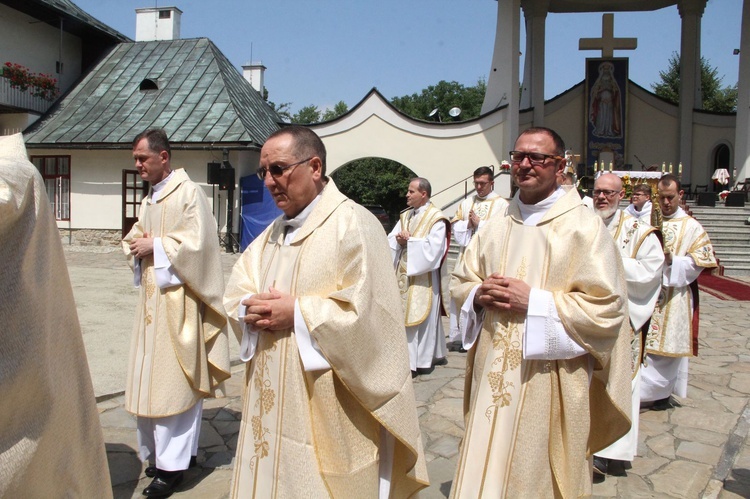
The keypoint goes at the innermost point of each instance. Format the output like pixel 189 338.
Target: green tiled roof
pixel 201 100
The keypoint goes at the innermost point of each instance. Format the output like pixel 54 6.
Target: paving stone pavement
pixel 698 449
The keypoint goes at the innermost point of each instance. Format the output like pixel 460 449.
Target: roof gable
pixel 201 98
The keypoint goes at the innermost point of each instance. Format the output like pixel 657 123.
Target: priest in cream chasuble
pixel 472 214
pixel 544 319
pixel 642 259
pixel 419 244
pixel 179 351
pixel 329 408
pixel 672 337
pixel 51 442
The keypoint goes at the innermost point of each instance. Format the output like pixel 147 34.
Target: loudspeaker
pixel 226 179
pixel 735 199
pixel 212 173
pixel 706 199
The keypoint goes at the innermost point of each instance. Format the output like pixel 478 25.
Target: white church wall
pixel 652 130
pixel 565 116
pixel 96 183
pixel 442 160
pixel 709 132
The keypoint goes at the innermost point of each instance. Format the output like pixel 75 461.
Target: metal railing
pixel 14 97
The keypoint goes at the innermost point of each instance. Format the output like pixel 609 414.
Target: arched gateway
pixel 653 131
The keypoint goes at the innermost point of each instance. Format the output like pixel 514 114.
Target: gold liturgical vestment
pixel 416 290
pixel 532 424
pixel 671 331
pixel 317 433
pixel 51 441
pixel 484 208
pixel 179 350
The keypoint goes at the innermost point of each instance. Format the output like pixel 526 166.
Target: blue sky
pixel 323 51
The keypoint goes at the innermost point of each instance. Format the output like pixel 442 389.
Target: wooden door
pixel 134 189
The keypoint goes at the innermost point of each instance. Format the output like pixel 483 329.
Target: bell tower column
pixel 502 83
pixel 532 90
pixel 691 12
pixel 742 132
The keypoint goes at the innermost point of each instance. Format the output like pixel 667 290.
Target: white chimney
pixel 254 74
pixel 157 23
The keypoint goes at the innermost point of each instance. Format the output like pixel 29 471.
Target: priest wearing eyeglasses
pixel 544 308
pixel 329 407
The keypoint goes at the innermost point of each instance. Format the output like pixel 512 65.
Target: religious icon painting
pixel 606 112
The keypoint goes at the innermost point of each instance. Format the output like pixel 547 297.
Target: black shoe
pixel 462 350
pixel 600 466
pixel 414 374
pixel 663 404
pixel 616 467
pixel 151 470
pixel 164 484
pixel 440 362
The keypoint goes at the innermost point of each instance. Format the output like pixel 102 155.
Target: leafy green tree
pixel 714 96
pixel 282 109
pixel 338 110
pixel 375 181
pixel 307 115
pixel 384 182
pixel 443 96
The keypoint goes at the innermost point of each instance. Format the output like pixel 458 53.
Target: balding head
pixel 607 194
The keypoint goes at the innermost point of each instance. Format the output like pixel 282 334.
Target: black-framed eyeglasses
pixel 535 158
pixel 606 192
pixel 278 170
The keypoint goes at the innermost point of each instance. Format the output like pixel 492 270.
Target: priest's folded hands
pixel 504 293
pixel 273 310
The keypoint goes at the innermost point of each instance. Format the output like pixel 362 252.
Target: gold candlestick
pixel 670 167
pixel 663 167
pixel 610 167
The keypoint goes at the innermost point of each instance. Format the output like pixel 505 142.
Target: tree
pixel 384 182
pixel 307 115
pixel 282 110
pixel 338 110
pixel 375 181
pixel 443 96
pixel 715 98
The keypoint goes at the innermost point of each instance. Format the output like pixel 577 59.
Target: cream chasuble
pixel 179 349
pixel 317 433
pixel 51 443
pixel 671 331
pixel 531 425
pixel 642 258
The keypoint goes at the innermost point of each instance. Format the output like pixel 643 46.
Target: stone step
pixel 737 271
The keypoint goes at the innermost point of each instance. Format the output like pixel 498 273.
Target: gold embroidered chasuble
pixel 532 424
pixel 416 290
pixel 317 434
pixel 51 441
pixel 671 331
pixel 485 208
pixel 630 233
pixel 179 351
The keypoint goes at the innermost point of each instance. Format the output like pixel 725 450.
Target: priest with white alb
pixel 544 318
pixel 419 243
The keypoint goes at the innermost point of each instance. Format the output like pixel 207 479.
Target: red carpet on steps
pixel 724 288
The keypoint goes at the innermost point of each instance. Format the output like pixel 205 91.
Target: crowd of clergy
pixel 573 315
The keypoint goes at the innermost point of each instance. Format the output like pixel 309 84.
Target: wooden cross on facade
pixel 608 43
